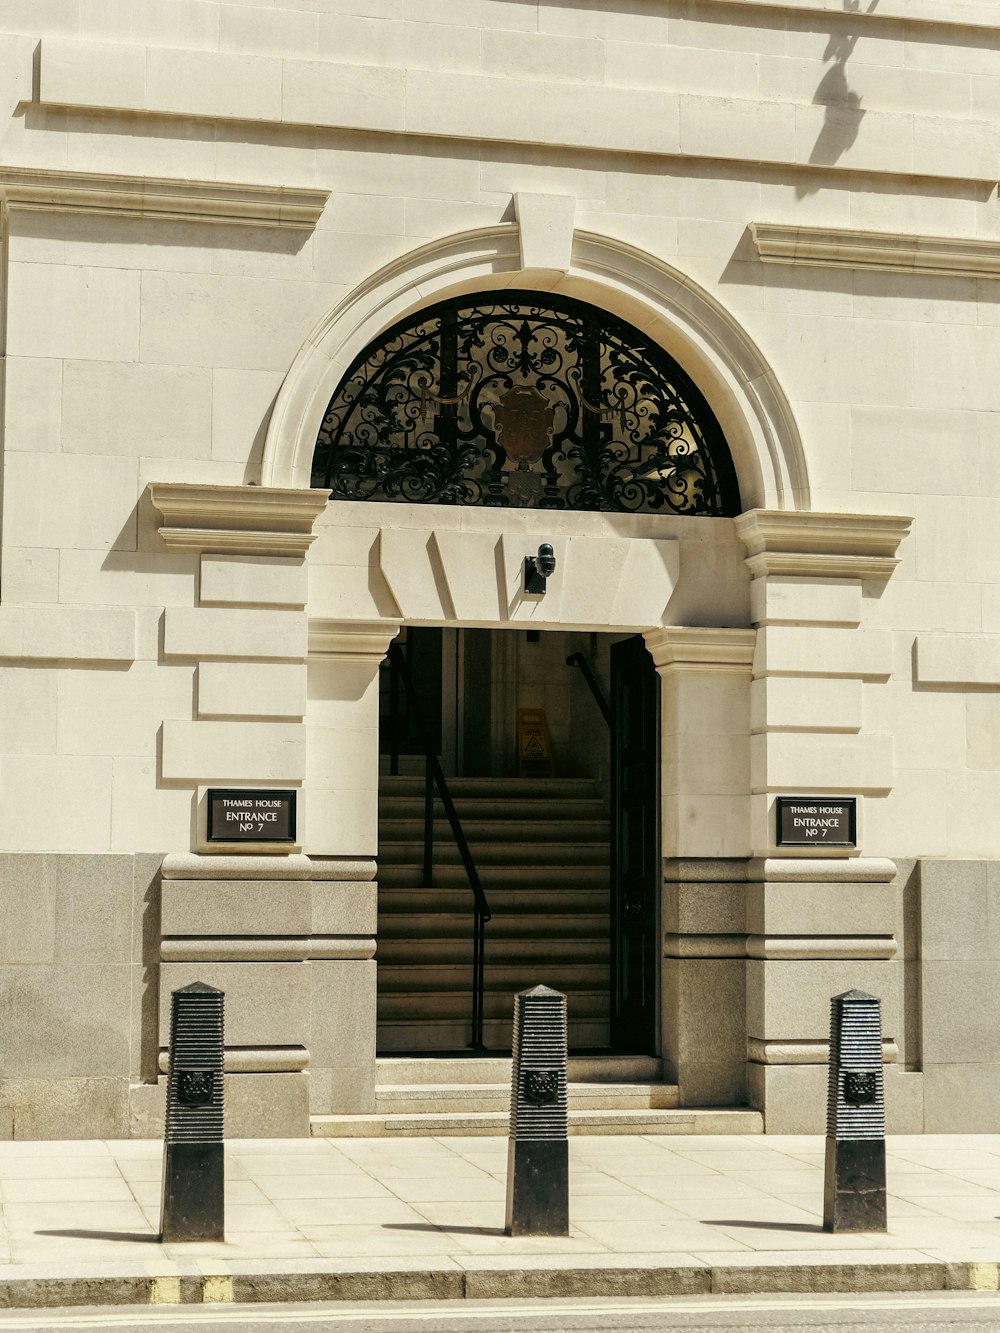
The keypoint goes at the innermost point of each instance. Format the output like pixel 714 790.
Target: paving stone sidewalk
pixel 423 1217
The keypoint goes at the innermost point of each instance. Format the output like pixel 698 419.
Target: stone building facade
pixel 211 210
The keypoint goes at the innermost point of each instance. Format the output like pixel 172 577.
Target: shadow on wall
pixel 844 112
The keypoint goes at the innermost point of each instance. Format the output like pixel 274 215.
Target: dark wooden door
pixel 635 844
pixel 398 732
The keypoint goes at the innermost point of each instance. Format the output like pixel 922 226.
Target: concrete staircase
pixel 471 1096
pixel 541 847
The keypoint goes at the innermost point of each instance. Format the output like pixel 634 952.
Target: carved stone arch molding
pixel 688 322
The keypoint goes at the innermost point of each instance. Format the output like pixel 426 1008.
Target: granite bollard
pixel 193 1200
pixel 538 1146
pixel 854 1186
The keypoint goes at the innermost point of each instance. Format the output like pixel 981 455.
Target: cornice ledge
pixel 363 640
pixel 156 197
pixel 801 542
pixel 705 648
pixel 242 520
pixel 941 13
pixel 889 252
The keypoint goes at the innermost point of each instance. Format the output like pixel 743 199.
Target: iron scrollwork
pixel 517 401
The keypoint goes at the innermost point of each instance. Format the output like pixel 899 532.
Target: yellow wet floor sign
pixel 534 749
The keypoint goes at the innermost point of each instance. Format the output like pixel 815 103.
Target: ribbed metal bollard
pixel 538 1146
pixel 193 1203
pixel 854 1187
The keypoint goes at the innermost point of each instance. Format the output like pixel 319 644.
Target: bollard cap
pixel 541 990
pixel 198 988
pixel 856 995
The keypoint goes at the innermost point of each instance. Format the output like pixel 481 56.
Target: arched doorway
pixel 509 401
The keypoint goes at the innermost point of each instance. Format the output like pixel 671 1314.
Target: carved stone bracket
pixel 241 520
pixel 830 545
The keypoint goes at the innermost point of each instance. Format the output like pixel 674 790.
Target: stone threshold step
pixel 599 1067
pixel 535 788
pixel 457 1098
pixel 576 851
pixel 728 1120
pixel 414 1036
pixel 406 829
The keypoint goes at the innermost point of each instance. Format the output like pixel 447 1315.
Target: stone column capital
pixel 702 649
pixel 358 641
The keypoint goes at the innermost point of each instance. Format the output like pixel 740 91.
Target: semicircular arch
pixel 688 322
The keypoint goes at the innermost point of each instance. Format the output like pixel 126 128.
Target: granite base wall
pixel 80 976
pixel 85 981
pixel 959 992
pixel 79 947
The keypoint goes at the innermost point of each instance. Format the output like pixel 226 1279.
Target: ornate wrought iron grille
pixel 526 400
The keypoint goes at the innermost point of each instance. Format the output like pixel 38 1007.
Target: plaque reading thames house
pixel 251 815
pixel 811 821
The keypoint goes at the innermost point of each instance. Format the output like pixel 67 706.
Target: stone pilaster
pixel 341 808
pixel 705 675
pixel 250 919
pixel 820 920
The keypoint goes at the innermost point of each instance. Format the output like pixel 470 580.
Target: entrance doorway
pixel 548 743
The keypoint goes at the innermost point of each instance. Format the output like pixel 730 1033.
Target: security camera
pixel 538 569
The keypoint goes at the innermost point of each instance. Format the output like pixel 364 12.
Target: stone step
pixel 438 1099
pixel 498 806
pixel 486 854
pixel 416 1036
pixel 500 876
pixel 510 901
pixel 738 1120
pixel 540 789
pixel 505 978
pixel 411 828
pixel 424 949
pixel 417 1005
pixel 393 1071
pixel 505 928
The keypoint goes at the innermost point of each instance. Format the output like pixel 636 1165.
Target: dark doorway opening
pixel 567 851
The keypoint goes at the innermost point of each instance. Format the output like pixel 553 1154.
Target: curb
pixel 493 1283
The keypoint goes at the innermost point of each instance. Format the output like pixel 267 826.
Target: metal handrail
pixel 578 659
pixel 434 777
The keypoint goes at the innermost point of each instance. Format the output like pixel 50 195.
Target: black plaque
pixel 817 821
pixel 251 815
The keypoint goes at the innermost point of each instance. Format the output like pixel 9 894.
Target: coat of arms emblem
pixel 859 1089
pixel 541 1086
pixel 195 1087
pixel 524 419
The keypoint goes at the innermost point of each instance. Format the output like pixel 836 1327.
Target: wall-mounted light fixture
pixel 538 569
